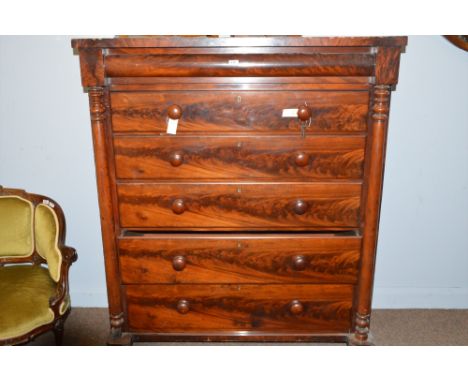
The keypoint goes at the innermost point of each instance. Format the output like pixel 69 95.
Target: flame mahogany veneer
pixel 247 224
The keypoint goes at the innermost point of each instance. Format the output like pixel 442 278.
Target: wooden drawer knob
pixel 304 113
pixel 183 306
pixel 296 307
pixel 178 263
pixel 299 263
pixel 176 159
pixel 300 207
pixel 174 112
pixel 178 206
pixel 301 159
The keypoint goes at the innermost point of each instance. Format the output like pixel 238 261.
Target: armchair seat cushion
pixel 25 291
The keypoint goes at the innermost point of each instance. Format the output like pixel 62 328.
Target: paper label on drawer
pixel 289 113
pixel 172 126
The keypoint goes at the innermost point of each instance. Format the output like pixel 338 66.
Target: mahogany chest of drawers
pixel 239 183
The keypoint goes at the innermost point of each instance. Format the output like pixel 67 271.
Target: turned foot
pixel 361 335
pixel 353 340
pixel 117 337
pixel 58 332
pixel 124 339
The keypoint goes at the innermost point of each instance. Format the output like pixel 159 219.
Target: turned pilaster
pixel 99 109
pixel 374 175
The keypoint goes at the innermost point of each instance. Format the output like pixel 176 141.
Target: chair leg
pixel 58 332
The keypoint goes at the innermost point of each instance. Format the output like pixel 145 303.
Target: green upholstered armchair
pixel 34 264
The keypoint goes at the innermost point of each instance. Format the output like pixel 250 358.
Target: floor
pixel 89 326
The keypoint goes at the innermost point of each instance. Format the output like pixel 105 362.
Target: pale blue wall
pixel 423 248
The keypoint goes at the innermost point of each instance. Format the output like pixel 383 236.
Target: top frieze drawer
pixel 239 65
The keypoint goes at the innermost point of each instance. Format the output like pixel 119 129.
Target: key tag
pixel 172 126
pixel 174 112
pixel 289 113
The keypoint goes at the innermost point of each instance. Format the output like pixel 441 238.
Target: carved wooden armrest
pixel 69 256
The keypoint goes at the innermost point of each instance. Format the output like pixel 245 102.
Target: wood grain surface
pixel 239 259
pixel 257 65
pixel 256 157
pixel 156 308
pixel 239 111
pixel 239 205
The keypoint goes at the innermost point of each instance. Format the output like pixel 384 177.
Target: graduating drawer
pixel 234 258
pixel 239 206
pixel 257 157
pixel 240 111
pixel 218 308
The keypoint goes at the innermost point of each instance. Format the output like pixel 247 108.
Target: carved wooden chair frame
pixel 69 256
pixel 460 41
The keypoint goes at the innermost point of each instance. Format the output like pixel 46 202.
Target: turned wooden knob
pixel 300 207
pixel 301 159
pixel 174 112
pixel 304 113
pixel 299 263
pixel 178 206
pixel 296 307
pixel 178 263
pixel 176 159
pixel 183 306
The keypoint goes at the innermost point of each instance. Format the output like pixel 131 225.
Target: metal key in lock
pixel 305 115
pixel 304 125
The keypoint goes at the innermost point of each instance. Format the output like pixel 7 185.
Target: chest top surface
pixel 233 41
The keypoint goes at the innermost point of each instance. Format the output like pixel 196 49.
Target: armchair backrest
pixel 16 226
pixel 46 235
pixel 31 226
